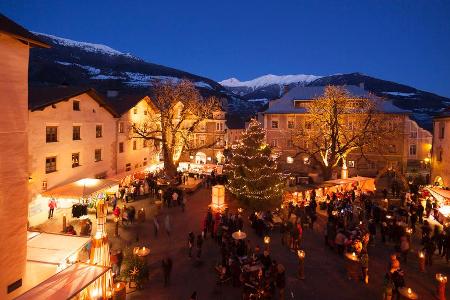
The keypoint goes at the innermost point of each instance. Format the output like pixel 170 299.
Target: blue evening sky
pixel 404 41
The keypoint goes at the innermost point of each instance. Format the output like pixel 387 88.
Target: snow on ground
pixel 106 77
pixel 89 47
pixel 140 79
pixel 269 80
pixel 400 94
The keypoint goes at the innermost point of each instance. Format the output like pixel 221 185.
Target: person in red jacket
pixel 51 207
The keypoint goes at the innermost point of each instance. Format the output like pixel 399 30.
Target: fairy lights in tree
pixel 253 174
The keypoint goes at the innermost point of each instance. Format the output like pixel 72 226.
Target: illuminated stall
pixel 443 199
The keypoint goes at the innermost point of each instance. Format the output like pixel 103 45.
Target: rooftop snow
pixel 269 80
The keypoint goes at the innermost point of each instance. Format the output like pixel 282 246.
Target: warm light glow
pixel 409 291
pixel 88 182
pixel 98 235
pixel 353 254
pixel 301 253
pixel 427 160
pixel 289 160
pixel 421 254
pixel 218 197
pixel 266 239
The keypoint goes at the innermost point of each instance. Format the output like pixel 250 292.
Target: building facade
pixel 72 135
pixel 288 113
pixel 15 43
pixel 440 159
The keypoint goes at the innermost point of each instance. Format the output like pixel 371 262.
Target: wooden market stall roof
pixel 67 283
pixel 440 193
pixel 81 188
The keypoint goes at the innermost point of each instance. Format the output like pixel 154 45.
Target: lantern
pixel 218 197
pixel 267 240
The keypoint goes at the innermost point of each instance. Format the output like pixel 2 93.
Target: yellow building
pixel 15 43
pixel 289 112
pixel 441 150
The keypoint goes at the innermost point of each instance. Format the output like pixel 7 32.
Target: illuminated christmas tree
pixel 253 175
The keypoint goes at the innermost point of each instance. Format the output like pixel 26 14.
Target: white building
pixel 72 135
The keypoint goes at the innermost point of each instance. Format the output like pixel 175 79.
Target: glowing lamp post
pixel 218 197
pixel 301 264
pixel 267 242
pixel 442 282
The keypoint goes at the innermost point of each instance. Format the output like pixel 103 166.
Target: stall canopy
pixel 440 194
pixel 81 188
pixel 67 283
pixel 53 248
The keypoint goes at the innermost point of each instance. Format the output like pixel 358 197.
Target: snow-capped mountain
pixel 102 67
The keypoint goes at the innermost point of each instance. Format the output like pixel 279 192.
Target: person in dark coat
pixel 167 269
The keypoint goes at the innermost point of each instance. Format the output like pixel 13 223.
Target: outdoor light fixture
pixel 290 160
pixel 267 240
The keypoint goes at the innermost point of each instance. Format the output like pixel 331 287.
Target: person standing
pixel 51 207
pixel 167 225
pixel 280 281
pixel 155 225
pixel 404 248
pixel 167 269
pixel 199 245
pixel 174 198
pixel 191 241
pixel 420 210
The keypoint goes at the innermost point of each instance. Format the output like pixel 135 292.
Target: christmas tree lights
pixel 253 174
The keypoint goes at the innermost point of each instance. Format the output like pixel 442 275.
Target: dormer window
pixel 76 105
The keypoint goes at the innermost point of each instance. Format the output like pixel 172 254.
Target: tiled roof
pixel 40 97
pixel 285 105
pixel 11 28
pixel 124 102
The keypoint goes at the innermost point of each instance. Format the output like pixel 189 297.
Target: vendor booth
pixel 443 203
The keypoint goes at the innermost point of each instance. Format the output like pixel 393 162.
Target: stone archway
pixel 397 176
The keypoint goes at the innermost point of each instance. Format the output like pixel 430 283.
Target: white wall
pixel 64 117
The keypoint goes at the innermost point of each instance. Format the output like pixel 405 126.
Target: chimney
pixel 361 85
pixel 112 93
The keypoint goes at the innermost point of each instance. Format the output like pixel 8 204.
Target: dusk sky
pixel 403 41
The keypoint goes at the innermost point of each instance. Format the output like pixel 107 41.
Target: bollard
pixel 301 264
pixel 441 285
pixel 421 261
pixel 64 223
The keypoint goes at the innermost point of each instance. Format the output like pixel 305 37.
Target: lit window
pixel 412 149
pixel 135 111
pixel 50 164
pixel 134 145
pixel 75 160
pixel 290 160
pixel 121 127
pixel 98 131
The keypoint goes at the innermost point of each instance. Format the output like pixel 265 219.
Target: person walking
pixel 191 241
pixel 167 269
pixel 167 225
pixel 199 245
pixel 155 225
pixel 51 207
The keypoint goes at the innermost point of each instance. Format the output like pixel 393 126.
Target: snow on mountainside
pixel 267 80
pixel 89 47
pixel 85 64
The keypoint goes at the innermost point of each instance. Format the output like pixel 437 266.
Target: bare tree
pixel 179 112
pixel 338 124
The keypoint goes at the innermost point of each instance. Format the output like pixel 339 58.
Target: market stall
pixel 365 184
pixel 443 203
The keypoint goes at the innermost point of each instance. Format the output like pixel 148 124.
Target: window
pixel 440 154
pixel 289 144
pixel 134 145
pixel 75 160
pixel 219 126
pixel 50 164
pixel 413 134
pixel 275 124
pixel 392 148
pixel 290 124
pixel 274 143
pixel 145 161
pixel 412 149
pixel 145 144
pixel 76 133
pixel 121 127
pixel 120 147
pixel 351 163
pixel 101 175
pixel 98 131
pixel 128 167
pixel 98 155
pixel 51 134
pixel 145 112
pixel 441 130
pixel 308 125
pixel 135 111
pixel 76 105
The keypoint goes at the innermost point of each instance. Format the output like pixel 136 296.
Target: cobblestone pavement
pixel 324 269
